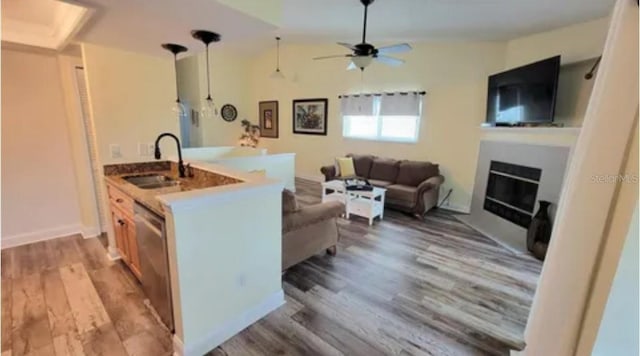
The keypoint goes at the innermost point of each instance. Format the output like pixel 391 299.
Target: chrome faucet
pixel 158 155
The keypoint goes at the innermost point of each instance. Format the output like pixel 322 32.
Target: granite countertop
pixel 115 174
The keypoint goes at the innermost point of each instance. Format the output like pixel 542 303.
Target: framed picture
pixel 310 116
pixel 268 113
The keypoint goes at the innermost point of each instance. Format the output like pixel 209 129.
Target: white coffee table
pixel 367 204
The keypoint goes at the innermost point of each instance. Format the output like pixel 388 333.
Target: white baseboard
pixel 312 177
pixel 457 208
pixel 113 254
pixel 40 235
pixel 465 220
pixel 229 328
pixel 90 231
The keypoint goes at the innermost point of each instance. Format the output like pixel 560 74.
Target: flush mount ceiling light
pixel 208 109
pixel 277 74
pixel 178 109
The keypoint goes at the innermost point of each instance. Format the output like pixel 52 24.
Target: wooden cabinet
pixel 119 232
pixel 132 247
pixel 124 228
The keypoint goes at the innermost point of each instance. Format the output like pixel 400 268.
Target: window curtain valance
pixel 360 105
pixel 400 104
pixel 385 104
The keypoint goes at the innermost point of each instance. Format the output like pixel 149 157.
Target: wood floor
pixel 64 297
pixel 402 287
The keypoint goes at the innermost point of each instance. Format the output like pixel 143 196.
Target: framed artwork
pixel 268 113
pixel 310 116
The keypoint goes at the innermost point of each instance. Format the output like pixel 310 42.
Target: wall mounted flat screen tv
pixel 525 94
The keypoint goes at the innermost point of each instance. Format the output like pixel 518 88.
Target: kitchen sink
pixel 151 181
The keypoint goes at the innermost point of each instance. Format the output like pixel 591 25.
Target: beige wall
pixel 574 43
pixel 131 96
pixel 229 85
pixel 39 198
pixel 573 93
pixel 453 74
pixel 455 78
pixel 578 45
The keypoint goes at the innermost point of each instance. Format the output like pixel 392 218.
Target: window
pixel 375 118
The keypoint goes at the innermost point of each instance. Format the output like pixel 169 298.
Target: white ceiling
pixel 142 25
pixel 41 23
pixel 415 20
pixel 34 11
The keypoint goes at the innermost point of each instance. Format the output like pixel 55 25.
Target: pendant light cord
pixel 208 79
pixel 278 54
pixel 175 68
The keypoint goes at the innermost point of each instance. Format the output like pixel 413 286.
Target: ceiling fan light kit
pixel 277 74
pixel 178 108
pixel 208 109
pixel 364 53
pixel 361 62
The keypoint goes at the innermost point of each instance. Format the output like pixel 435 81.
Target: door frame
pixel 565 315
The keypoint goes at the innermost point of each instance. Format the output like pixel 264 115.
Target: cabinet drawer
pixel 120 200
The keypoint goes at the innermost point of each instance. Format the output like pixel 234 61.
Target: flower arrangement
pixel 251 135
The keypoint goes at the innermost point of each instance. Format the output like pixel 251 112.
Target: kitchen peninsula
pixel 222 275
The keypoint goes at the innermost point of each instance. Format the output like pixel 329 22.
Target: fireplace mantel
pixel 534 130
pixel 548 136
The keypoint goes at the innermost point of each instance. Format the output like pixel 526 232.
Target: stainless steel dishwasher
pixel 154 262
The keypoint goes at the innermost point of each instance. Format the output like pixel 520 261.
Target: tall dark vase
pixel 539 231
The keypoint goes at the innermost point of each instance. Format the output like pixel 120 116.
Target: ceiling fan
pixel 364 53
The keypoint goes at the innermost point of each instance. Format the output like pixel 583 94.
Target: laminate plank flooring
pixel 65 297
pixel 400 287
pixel 5 342
pixel 86 306
pixel 59 312
pixel 30 326
pixel 68 345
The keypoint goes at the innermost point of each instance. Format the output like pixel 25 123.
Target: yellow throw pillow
pixel 346 166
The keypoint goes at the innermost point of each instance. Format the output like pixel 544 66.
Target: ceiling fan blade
pixel 398 48
pixel 394 62
pixel 349 46
pixel 352 66
pixel 334 56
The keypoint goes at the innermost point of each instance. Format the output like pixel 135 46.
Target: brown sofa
pixel 309 230
pixel 412 186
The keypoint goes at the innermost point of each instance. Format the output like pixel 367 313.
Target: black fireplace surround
pixel 511 192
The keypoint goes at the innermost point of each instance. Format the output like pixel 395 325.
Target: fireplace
pixel 511 192
pixel 511 178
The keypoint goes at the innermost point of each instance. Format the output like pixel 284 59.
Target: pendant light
pixel 208 109
pixel 277 74
pixel 178 108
